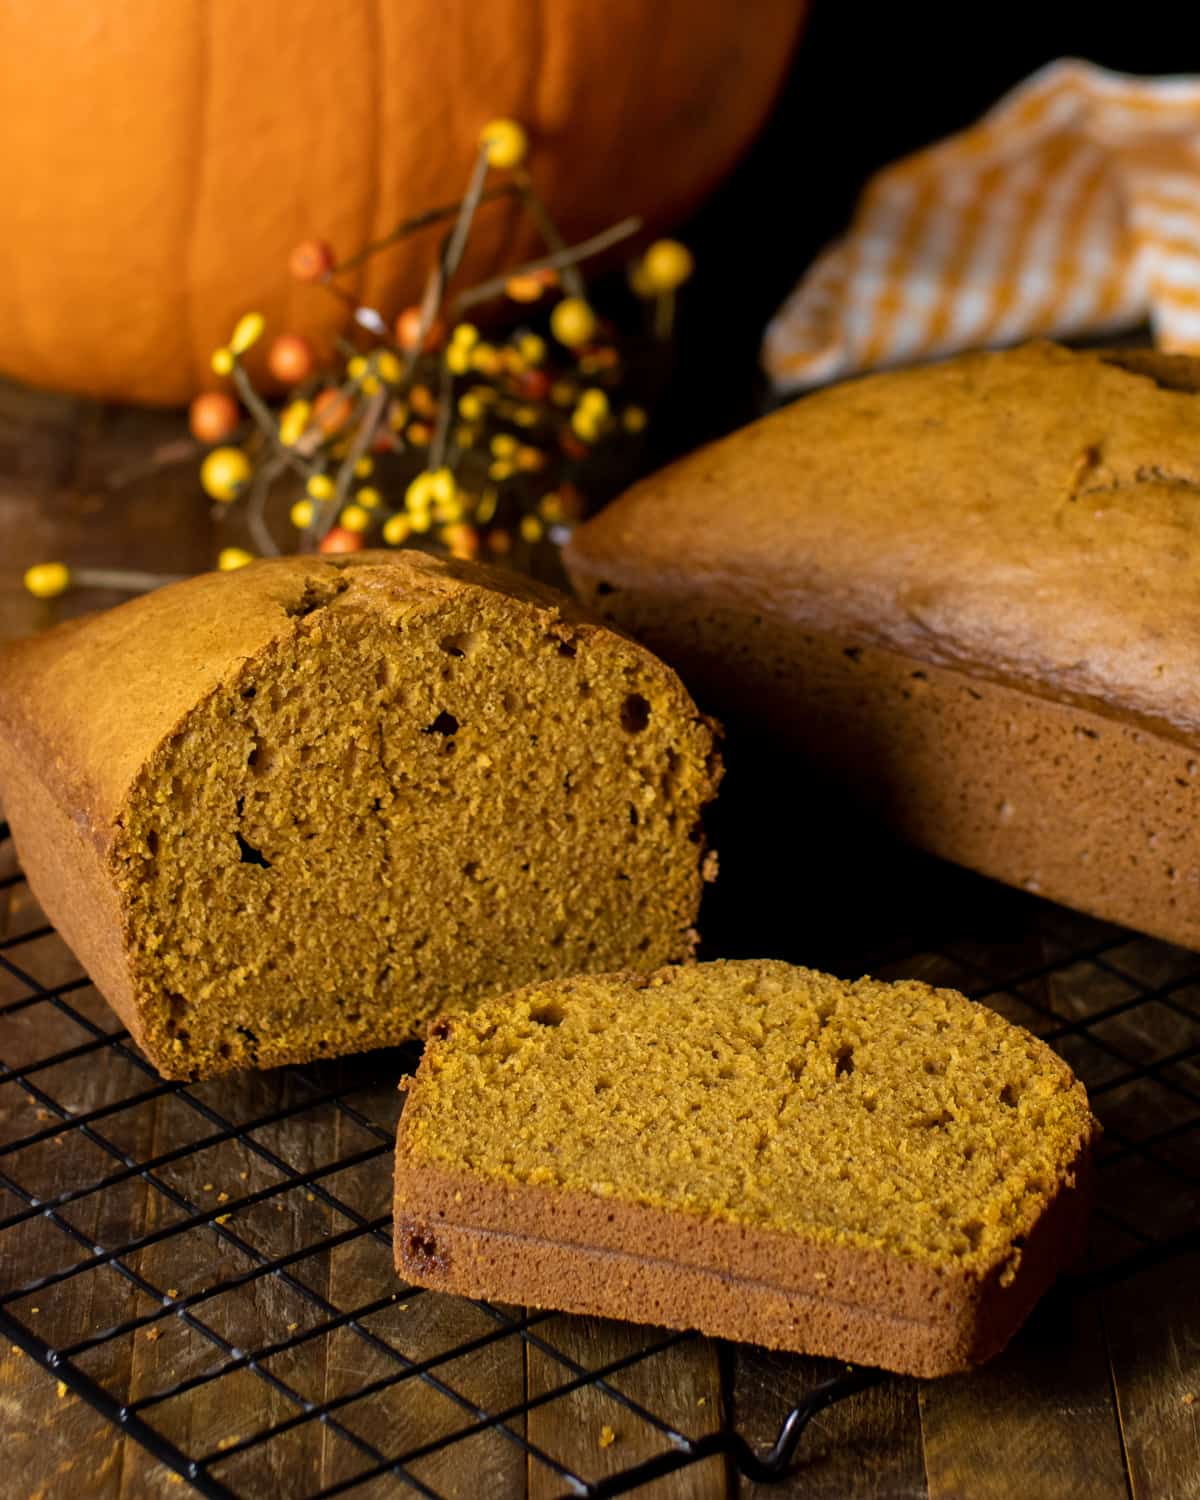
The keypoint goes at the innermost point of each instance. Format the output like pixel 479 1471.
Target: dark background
pixel 870 83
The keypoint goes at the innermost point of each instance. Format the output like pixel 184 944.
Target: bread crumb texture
pixel 430 785
pixel 888 1116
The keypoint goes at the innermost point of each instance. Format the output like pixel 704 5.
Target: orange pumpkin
pixel 159 159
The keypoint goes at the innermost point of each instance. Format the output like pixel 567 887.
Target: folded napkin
pixel 1072 207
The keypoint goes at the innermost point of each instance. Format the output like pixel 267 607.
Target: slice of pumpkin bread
pixel 292 811
pixel 885 1173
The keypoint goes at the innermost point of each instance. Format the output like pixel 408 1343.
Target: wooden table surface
pixel 1096 1398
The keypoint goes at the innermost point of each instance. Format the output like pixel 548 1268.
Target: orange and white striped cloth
pixel 1071 208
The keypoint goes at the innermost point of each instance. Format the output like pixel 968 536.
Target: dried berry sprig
pixel 436 436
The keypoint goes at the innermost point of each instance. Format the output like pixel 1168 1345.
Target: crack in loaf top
pixel 1032 516
pixel 91 730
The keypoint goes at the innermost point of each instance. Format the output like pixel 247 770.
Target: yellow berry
pixel 356 367
pixel 530 460
pixel 506 143
pixel 464 335
pixel 585 426
pixel 225 473
pixel 572 322
pixel 504 444
pixel 531 528
pixel 525 416
pixel 396 530
pixel 321 487
pixel 488 502
pixel 531 348
pixel 354 518
pixel 364 467
pixel 247 333
pixel 633 419
pixel 389 367
pixel 465 437
pixel 397 416
pixel 48 580
pixel 486 359
pixel 551 506
pixel 371 385
pixel 419 496
pixel 442 488
pixel 231 558
pixel 301 514
pixel 470 407
pixel 666 265
pixel 369 497
pixel 222 361
pixel 458 359
pixel 419 434
pixel 501 469
pixel 562 393
pixel 293 422
pixel 420 520
pixel 594 400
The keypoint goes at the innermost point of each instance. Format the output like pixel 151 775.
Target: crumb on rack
pixel 607 1437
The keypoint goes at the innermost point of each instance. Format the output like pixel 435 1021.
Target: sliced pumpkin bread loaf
pixel 885 1173
pixel 294 810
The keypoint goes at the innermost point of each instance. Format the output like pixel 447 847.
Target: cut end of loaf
pixel 424 791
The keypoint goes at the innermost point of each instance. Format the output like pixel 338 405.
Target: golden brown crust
pixel 1027 516
pixel 545 1248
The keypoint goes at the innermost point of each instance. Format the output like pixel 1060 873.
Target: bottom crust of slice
pixel 971 1319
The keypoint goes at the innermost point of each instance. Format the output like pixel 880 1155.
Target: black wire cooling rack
pixel 213 1273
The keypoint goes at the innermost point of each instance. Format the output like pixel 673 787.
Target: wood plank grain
pixel 1152 1322
pixel 418 1326
pixel 867 1447
pixel 593 1435
pixel 238 1405
pixel 54 1443
pixel 1038 1421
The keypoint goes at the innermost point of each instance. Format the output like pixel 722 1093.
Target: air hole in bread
pixel 445 724
pixel 635 713
pixel 1009 1096
pixel 249 855
pixel 550 1013
pixel 459 645
pixel 843 1061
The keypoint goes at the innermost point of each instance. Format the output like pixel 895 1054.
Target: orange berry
pixel 408 328
pixel 534 385
pixel 311 260
pixel 332 410
pixel 291 358
pixel 423 401
pixel 212 417
pixel 341 540
pixel 462 540
pixel 530 286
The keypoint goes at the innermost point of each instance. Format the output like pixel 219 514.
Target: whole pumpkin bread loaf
pixel 966 591
pixel 294 810
pixel 885 1173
